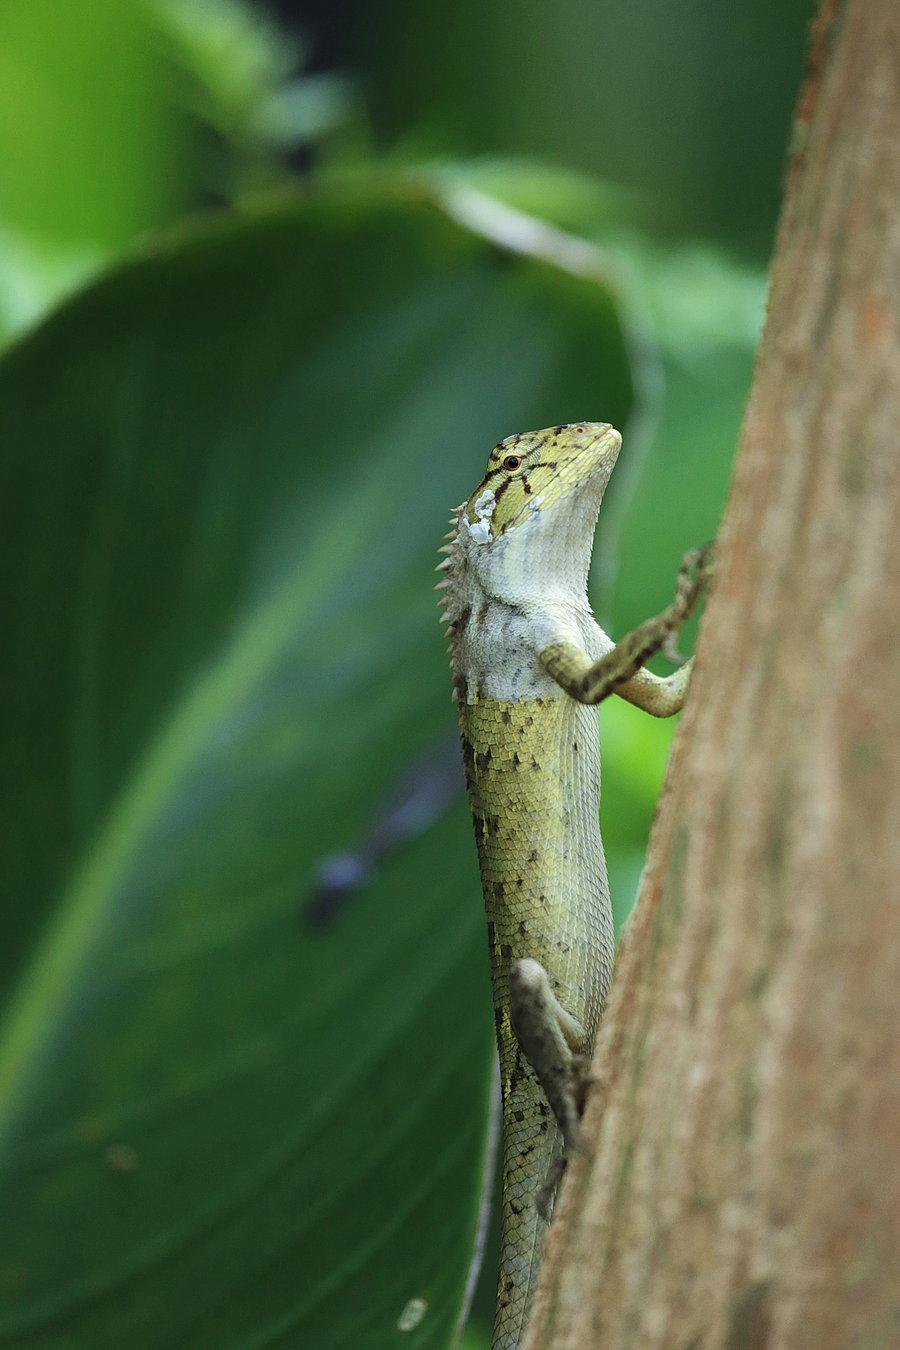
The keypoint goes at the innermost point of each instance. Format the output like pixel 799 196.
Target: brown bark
pixel 741 1185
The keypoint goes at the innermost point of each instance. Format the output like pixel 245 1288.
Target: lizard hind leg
pixel 553 1042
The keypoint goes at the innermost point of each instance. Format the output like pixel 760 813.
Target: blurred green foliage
pixel 119 116
pixel 685 104
pixel 226 465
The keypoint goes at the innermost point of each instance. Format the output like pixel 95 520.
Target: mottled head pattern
pixel 535 469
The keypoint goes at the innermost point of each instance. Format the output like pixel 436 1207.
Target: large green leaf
pixel 225 472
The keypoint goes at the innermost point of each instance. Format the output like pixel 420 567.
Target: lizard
pixel 529 661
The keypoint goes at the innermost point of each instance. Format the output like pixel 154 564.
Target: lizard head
pixel 536 470
pixel 526 531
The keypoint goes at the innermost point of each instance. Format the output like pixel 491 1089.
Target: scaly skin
pixel 528 658
pixel 534 791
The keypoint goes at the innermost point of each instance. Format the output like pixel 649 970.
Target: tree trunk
pixel 740 1186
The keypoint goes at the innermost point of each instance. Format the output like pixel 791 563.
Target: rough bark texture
pixel 741 1187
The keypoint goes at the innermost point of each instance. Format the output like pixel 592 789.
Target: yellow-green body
pixel 528 661
pixel 533 774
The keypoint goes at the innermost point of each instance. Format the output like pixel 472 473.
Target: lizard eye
pixel 512 461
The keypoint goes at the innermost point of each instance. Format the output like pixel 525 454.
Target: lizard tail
pixel 531 1146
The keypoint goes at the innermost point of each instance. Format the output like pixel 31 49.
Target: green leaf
pixel 226 470
pixel 87 164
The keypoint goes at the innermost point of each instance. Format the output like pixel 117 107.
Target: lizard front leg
pixel 620 670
